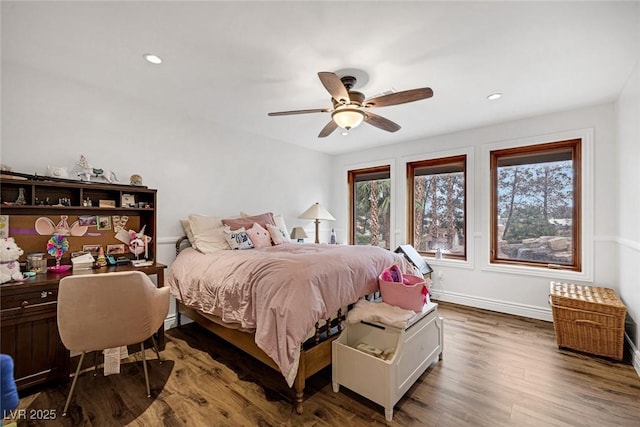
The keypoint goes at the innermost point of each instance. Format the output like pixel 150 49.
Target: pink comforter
pixel 280 291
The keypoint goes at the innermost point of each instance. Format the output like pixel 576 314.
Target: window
pixel 370 206
pixel 535 205
pixel 437 206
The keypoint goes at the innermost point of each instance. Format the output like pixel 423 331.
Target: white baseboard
pixel 494 305
pixel 635 354
pixel 171 321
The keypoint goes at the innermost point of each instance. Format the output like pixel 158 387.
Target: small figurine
pixel 57 172
pixel 9 265
pixel 139 243
pixel 87 171
pixel 101 261
pixel 135 179
pixel 21 200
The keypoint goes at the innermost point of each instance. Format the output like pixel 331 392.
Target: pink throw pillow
pixel 259 236
pixel 248 221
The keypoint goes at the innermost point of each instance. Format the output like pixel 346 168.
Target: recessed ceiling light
pixel 494 96
pixel 154 59
pixel 344 133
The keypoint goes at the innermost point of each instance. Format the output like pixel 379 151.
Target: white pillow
pixel 278 235
pixel 238 239
pixel 208 233
pixel 279 220
pixel 187 230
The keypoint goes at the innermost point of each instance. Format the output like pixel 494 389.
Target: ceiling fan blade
pixel 289 113
pixel 334 86
pixel 328 129
pixel 381 122
pixel 399 97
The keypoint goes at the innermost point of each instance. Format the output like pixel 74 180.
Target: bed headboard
pixel 181 243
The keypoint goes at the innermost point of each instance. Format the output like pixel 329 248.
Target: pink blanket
pixel 280 291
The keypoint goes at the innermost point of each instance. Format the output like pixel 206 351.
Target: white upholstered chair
pixel 100 311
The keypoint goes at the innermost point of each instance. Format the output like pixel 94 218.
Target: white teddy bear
pixel 9 254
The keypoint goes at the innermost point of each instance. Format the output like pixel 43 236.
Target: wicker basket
pixel 588 319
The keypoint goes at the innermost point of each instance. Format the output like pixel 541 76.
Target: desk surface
pixel 49 277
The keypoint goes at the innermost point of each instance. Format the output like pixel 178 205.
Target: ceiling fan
pixel 350 108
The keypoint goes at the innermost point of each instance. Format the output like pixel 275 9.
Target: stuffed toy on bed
pixel 9 266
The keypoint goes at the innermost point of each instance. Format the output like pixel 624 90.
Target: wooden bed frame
pixel 315 353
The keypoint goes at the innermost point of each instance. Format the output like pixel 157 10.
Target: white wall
pixel 196 167
pixel 628 208
pixel 474 282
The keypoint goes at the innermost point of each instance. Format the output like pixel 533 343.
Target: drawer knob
pixel 24 303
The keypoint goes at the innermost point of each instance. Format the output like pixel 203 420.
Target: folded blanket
pixel 380 312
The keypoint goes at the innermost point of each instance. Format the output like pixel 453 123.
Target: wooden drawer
pixel 30 297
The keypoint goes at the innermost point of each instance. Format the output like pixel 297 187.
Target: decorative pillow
pixel 259 236
pixel 187 230
pixel 278 235
pixel 208 233
pixel 248 221
pixel 237 239
pixel 279 222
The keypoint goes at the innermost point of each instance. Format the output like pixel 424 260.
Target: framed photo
pixel 92 249
pixel 128 201
pixel 115 249
pixel 104 223
pixel 88 220
pixel 107 203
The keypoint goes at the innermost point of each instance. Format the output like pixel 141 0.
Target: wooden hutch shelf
pixel 28 309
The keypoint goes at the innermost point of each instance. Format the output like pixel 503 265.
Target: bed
pixel 282 304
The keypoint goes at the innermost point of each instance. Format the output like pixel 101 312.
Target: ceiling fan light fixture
pixel 347 118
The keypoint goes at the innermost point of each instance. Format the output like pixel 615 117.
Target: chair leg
pixel 155 348
pixel 73 385
pixel 146 373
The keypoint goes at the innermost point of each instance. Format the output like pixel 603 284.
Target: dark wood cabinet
pixel 28 309
pixel 29 332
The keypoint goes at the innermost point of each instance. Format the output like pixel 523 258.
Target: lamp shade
pixel 317 212
pixel 347 118
pixel 298 233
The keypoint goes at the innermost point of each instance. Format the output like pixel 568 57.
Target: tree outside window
pixel 437 206
pixel 535 205
pixel 370 206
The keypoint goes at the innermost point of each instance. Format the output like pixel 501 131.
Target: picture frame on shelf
pixel 107 203
pixel 128 201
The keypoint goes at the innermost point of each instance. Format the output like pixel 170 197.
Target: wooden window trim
pixel 575 145
pixel 411 167
pixel 351 180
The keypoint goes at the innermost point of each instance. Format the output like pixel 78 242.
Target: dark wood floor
pixel 498 370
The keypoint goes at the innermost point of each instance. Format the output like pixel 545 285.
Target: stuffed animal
pixel 9 266
pixel 393 274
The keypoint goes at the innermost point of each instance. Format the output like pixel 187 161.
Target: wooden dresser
pixel 28 309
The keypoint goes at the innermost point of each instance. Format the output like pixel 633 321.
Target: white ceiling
pixel 233 62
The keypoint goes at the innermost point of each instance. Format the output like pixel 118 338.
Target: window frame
pixel 411 166
pixel 576 146
pixel 351 180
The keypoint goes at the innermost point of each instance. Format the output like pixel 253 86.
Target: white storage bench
pixel 386 381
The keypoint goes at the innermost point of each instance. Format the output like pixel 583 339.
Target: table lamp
pixel 317 213
pixel 298 234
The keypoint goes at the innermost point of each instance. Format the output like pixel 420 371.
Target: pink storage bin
pixel 409 297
